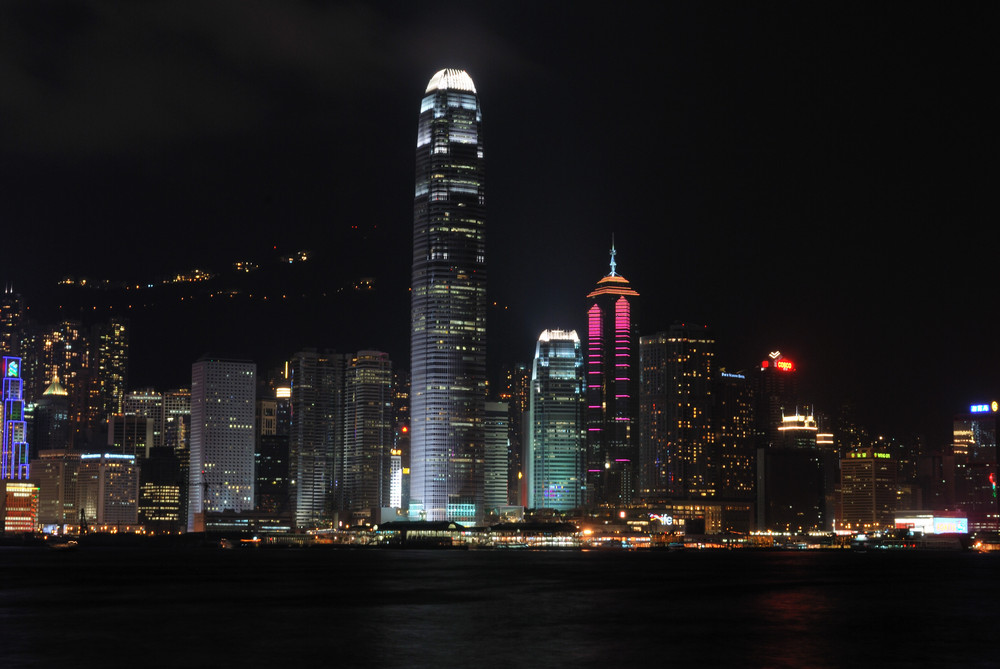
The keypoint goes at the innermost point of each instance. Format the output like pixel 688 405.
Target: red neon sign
pixel 784 365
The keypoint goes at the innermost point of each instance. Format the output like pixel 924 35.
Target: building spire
pixel 613 254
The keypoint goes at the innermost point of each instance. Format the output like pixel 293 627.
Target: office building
pixel 448 334
pixel 51 420
pixel 177 437
pixel 130 434
pixel 495 459
pixel 795 477
pixel 974 447
pixel 14 465
pixel 776 391
pixel 221 471
pixel 147 403
pixel 56 473
pixel 612 391
pixel 161 487
pixel 107 489
pixel 368 437
pixel 677 435
pixel 316 441
pixel 732 418
pixel 867 491
pixel 12 321
pixel 272 452
pixel 516 392
pixel 18 506
pixel 555 446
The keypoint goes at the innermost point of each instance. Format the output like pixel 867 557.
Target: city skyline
pixel 801 179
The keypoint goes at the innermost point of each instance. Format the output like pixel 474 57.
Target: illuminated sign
pixel 931 524
pixel 664 519
pixel 774 354
pixel 727 375
pixel 12 367
pixel 982 408
pixel 784 365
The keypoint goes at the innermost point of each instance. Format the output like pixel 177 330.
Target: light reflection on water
pixel 466 608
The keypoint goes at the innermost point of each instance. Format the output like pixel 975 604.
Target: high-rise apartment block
pixel 221 472
pixel 448 334
pixel 612 391
pixel 555 446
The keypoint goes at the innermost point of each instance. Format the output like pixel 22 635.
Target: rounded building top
pixel 449 78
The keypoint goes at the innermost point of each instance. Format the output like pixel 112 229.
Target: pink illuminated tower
pixel 612 376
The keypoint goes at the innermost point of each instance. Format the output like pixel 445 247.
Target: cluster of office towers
pixel 605 422
pixel 612 421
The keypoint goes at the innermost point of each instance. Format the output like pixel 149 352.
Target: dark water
pixel 299 608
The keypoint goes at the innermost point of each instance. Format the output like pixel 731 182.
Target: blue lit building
pixel 448 335
pixel 13 443
pixel 555 444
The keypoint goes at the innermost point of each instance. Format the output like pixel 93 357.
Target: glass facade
pixel 368 431
pixel 317 435
pixel 448 336
pixel 555 461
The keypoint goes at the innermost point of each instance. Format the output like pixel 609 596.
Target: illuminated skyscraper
pixel 679 455
pixel 14 441
pixel 555 448
pixel 12 319
pixel 368 436
pixel 496 458
pixel 776 389
pixel 516 392
pixel 448 336
pixel 611 390
pixel 867 491
pixel 976 473
pixel 316 443
pixel 222 438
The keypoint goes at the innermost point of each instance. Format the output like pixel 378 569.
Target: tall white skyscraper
pixel 448 336
pixel 222 438
pixel 555 441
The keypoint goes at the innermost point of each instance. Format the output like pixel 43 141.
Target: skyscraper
pixel 611 390
pixel 317 435
pixel 368 436
pixel 679 457
pixel 555 449
pixel 222 438
pixel 448 336
pixel 14 440
pixel 496 456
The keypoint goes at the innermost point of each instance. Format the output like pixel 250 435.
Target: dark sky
pixel 814 178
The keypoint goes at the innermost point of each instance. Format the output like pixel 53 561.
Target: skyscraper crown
pixel 449 78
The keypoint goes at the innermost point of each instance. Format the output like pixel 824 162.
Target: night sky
pixel 810 178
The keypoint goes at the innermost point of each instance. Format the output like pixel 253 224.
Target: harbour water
pixel 425 608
